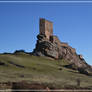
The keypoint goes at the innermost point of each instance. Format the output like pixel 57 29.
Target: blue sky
pixel 19 25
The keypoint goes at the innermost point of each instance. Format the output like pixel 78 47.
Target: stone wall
pixel 46 28
pixel 42 26
pixel 55 39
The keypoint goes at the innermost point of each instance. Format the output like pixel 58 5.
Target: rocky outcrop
pixel 59 50
pixel 49 45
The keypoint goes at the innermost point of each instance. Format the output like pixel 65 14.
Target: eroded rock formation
pixel 50 45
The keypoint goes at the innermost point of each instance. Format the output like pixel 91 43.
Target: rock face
pixel 49 45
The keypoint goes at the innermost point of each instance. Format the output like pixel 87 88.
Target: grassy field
pixel 24 67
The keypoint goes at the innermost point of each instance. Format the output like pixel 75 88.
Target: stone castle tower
pixel 46 28
pixel 49 45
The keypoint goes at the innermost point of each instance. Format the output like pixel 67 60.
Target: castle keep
pixel 46 28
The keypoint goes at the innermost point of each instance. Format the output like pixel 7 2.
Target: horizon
pixel 19 25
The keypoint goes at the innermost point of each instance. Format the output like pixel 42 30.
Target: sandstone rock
pixel 56 49
pixel 53 49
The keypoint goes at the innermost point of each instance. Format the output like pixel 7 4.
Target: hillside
pixel 25 67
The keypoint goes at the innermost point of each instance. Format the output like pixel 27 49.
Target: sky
pixel 72 23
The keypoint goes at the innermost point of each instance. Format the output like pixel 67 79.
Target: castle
pixel 46 28
pixel 50 46
pixel 47 42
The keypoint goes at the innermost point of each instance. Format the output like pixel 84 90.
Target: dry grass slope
pixel 22 66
